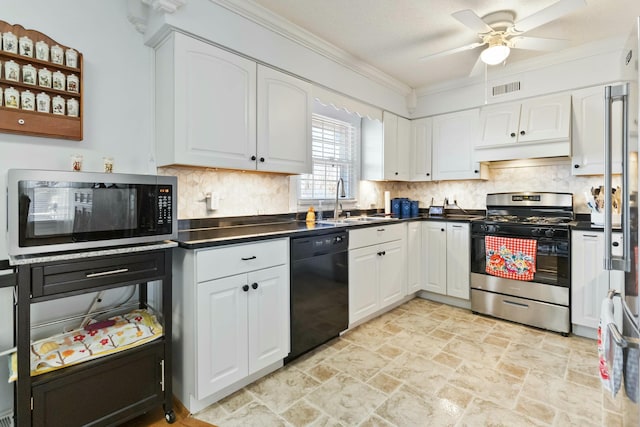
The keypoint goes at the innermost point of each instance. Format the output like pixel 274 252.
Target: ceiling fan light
pixel 495 54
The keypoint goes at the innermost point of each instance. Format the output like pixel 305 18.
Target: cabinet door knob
pixel 476 171
pixel 396 173
pixel 384 253
pixel 254 285
pixel 616 244
pixel 245 288
pixel 262 159
pixel 576 166
pixel 522 132
pixel 442 229
pixel 253 158
pixel 428 174
pixel 20 121
pixel 513 134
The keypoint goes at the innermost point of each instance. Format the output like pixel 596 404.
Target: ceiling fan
pixel 500 33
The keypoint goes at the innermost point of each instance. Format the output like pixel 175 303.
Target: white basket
pixel 597 219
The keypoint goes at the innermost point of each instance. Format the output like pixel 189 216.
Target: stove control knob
pixel 550 232
pixel 536 232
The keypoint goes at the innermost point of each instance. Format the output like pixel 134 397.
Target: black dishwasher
pixel 319 290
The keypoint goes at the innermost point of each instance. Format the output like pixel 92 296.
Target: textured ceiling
pixel 392 35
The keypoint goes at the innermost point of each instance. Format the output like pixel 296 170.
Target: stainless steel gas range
pixel 520 260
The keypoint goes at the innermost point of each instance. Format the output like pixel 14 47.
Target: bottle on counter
pixel 311 215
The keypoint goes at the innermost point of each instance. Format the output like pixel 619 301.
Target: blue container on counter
pixel 406 209
pixel 396 207
pixel 415 209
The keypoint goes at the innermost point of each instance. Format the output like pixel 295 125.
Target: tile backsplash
pixel 253 193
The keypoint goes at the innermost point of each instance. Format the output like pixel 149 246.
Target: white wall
pixel 117 107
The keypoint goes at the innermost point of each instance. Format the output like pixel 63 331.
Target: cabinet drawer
pixel 236 259
pixel 381 233
pixel 80 275
pixel 101 392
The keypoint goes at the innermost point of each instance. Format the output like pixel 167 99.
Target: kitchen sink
pixel 355 220
pixel 369 219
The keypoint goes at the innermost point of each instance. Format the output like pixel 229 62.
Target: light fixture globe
pixel 497 51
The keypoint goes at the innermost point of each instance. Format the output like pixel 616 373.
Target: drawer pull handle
pixel 249 258
pixel 106 273
pixel 517 304
pixel 380 229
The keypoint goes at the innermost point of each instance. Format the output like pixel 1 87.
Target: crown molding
pixel 137 15
pixel 138 11
pixel 277 24
pixel 167 6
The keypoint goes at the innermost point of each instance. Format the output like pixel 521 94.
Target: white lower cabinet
pixel 231 318
pixel 377 270
pixel 446 258
pixel 414 257
pixel 590 282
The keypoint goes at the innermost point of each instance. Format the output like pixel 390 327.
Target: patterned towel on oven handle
pixel 510 258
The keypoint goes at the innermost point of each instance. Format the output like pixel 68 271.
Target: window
pixel 334 156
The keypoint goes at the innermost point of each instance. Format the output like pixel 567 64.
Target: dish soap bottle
pixel 311 216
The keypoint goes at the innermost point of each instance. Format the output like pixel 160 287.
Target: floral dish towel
pixel 510 258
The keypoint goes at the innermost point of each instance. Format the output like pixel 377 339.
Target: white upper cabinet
pixel 284 122
pixel 385 148
pixel 420 150
pixel 218 109
pixel 205 105
pixel 454 136
pixel 537 127
pixel 588 132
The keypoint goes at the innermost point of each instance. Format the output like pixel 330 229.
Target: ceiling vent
pixel 505 88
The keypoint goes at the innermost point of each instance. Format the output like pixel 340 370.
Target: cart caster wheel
pixel 170 417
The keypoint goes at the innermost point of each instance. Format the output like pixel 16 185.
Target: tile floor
pixel 429 364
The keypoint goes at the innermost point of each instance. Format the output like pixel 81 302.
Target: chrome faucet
pixel 343 194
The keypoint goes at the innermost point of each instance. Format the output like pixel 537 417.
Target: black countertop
pixel 208 232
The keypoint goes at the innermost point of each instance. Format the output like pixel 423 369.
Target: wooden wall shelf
pixel 33 123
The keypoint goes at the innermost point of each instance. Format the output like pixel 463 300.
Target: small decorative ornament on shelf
pixel 73 84
pixel 26 46
pixel 29 74
pixel 44 77
pixel 44 102
pixel 12 71
pixel 57 55
pixel 71 58
pixel 72 107
pixel 58 80
pixel 58 105
pixel 10 42
pixel 76 162
pixel 42 51
pixel 28 100
pixel 108 164
pixel 11 98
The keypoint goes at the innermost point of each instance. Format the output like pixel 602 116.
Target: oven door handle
pixel 611 262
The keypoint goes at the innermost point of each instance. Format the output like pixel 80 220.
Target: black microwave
pixel 53 211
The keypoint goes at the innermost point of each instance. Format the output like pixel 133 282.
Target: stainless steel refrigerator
pixel 623 334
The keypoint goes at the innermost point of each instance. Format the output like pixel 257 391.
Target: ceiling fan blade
pixel 548 14
pixel 478 68
pixel 469 18
pixel 537 43
pixel 451 51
